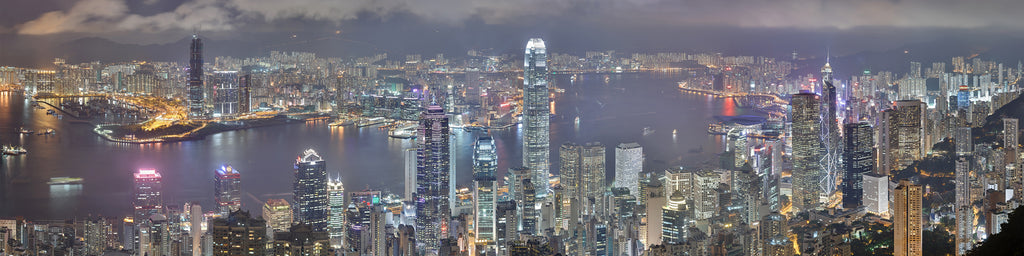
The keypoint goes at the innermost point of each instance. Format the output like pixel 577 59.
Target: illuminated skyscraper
pixel 629 162
pixel 858 159
pixel 238 233
pixel 244 93
pixel 148 190
pixel 592 182
pixel 227 187
pixel 908 222
pixel 432 178
pixel 807 173
pixel 278 214
pixel 225 93
pixel 336 221
pixel 962 191
pixel 311 204
pixel 675 219
pixel 195 77
pixel 831 151
pixel 485 161
pixel 536 113
pixel 907 132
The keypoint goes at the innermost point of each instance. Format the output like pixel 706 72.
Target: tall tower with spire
pixel 831 165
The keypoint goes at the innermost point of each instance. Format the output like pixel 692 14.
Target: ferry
pixel 648 131
pixel 674 132
pixel 25 131
pixel 577 121
pixel 14 150
pixel 65 181
pixel 716 129
pixel 341 122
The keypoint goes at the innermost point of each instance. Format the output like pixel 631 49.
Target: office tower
pixel 129 233
pixel 432 170
pixel 908 222
pixel 529 220
pixel 239 233
pixel 592 182
pixel 410 174
pixel 96 229
pixel 536 113
pixel 876 194
pixel 963 201
pixel 301 239
pixel 195 78
pixel 336 221
pixel 310 190
pixel 569 171
pixel 907 132
pixel 227 187
pixel 883 151
pixel 196 221
pixel 831 143
pixel 505 225
pixel 244 93
pixel 278 214
pixel 148 199
pixel 485 161
pixel 651 224
pixel 858 159
pixel 225 93
pixel 629 162
pixel 679 179
pixel 705 194
pixel 359 219
pixel 807 173
pixel 675 219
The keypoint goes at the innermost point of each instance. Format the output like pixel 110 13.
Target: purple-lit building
pixel 148 199
pixel 227 189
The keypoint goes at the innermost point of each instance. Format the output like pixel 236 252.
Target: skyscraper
pixel 908 222
pixel 410 173
pixel 858 159
pixel 244 93
pixel 569 170
pixel 831 144
pixel 962 191
pixel 807 173
pixel 485 161
pixel 227 189
pixel 336 221
pixel 278 214
pixel 310 188
pixel 195 77
pixel 239 234
pixel 536 113
pixel 629 162
pixel 225 93
pixel 432 180
pixel 148 190
pixel 907 132
pixel 592 182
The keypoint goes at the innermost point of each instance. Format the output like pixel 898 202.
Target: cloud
pixel 105 16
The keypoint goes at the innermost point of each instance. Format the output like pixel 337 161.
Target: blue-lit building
pixel 536 113
pixel 432 178
pixel 310 190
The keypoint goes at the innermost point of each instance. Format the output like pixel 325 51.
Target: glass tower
pixel 432 175
pixel 148 199
pixel 536 113
pixel 311 190
pixel 228 189
pixel 336 221
pixel 485 161
pixel 806 151
pixel 858 159
pixel 195 77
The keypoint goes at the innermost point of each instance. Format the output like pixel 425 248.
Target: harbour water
pixel 611 111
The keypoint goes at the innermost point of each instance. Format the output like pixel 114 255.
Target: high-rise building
pixel 227 187
pixel 876 194
pixel 883 151
pixel 629 162
pixel 301 239
pixel 432 178
pixel 962 191
pixel 592 182
pixel 569 171
pixel 96 229
pixel 705 194
pixel 858 159
pixel 675 219
pixel 774 225
pixel 225 93
pixel 908 223
pixel 807 172
pixel 238 233
pixel 410 173
pixel 907 132
pixel 536 113
pixel 310 188
pixel 651 223
pixel 244 93
pixel 278 214
pixel 485 161
pixel 831 151
pixel 196 221
pixel 505 225
pixel 336 221
pixel 195 78
pixel 148 190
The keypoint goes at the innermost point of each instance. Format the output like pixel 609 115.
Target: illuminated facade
pixel 858 159
pixel 310 190
pixel 336 221
pixel 225 93
pixel 238 233
pixel 227 189
pixel 148 190
pixel 278 214
pixel 908 223
pixel 629 162
pixel 807 172
pixel 432 178
pixel 831 155
pixel 485 161
pixel 195 78
pixel 536 113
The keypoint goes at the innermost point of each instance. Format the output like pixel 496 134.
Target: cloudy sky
pixel 166 21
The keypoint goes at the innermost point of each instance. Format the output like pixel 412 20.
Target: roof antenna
pixel 828 55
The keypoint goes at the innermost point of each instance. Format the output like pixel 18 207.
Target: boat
pixel 25 131
pixel 716 129
pixel 675 131
pixel 14 150
pixel 648 131
pixel 577 121
pixel 48 132
pixel 65 181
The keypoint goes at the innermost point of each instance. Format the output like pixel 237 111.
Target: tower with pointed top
pixel 831 155
pixel 195 77
pixel 536 113
pixel 310 190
